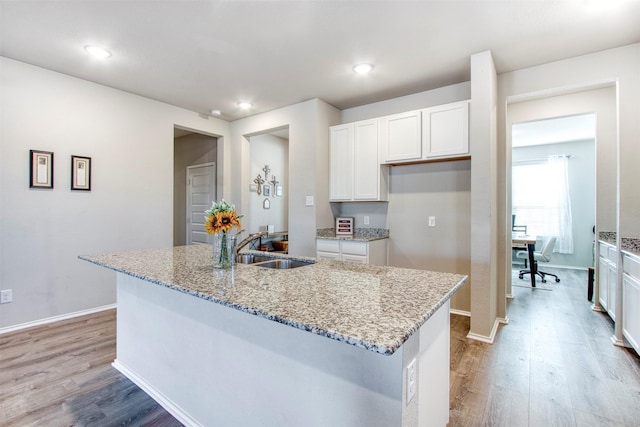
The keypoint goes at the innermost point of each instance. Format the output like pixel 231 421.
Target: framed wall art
pixel 40 169
pixel 266 190
pixel 81 173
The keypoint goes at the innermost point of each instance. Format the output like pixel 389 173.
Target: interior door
pixel 201 192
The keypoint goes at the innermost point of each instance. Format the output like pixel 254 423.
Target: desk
pixel 530 241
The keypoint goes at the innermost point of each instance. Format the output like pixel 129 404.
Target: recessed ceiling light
pixel 216 112
pixel 245 105
pixel 97 51
pixel 362 68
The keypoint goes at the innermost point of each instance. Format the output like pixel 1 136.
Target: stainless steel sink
pixel 283 263
pixel 252 258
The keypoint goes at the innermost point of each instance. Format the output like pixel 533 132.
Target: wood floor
pixel 553 365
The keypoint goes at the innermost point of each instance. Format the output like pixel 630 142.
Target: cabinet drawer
pixel 354 248
pixel 327 245
pixel 631 266
pixel 604 250
pixel 355 258
pixel 328 255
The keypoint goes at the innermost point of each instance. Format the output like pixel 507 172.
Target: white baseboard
pixel 492 336
pixel 460 312
pixel 55 319
pixel 163 400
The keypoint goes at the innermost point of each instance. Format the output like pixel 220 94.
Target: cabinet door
pixel 631 310
pixel 366 168
pixel 603 283
pixel 341 162
pixel 612 284
pixel 401 136
pixel 445 130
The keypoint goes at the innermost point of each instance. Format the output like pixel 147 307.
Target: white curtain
pixel 561 220
pixel 541 200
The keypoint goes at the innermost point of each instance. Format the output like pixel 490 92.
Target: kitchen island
pixel 331 343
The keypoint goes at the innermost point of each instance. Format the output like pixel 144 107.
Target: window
pixel 541 200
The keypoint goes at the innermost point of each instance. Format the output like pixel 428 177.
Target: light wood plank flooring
pixel 554 364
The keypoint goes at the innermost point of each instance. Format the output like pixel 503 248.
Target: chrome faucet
pixel 248 240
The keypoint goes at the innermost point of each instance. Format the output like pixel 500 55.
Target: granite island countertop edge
pixel 385 346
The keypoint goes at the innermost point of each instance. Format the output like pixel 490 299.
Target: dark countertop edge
pixel 377 348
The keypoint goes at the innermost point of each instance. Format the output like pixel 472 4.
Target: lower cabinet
pixel 607 278
pixel 631 300
pixel 363 252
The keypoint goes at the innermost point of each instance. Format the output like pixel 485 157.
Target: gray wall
pixel 189 150
pixel 130 206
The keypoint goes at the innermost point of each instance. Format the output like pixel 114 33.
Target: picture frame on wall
pixel 266 190
pixel 81 173
pixel 40 169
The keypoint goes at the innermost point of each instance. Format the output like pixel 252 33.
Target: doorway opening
pixel 269 190
pixel 194 184
pixel 578 131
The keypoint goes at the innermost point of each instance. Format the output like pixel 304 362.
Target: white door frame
pixel 188 198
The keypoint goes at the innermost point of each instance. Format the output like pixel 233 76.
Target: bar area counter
pixel 329 343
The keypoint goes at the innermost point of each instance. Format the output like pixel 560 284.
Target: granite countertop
pixel 359 234
pixel 373 307
pixel 627 244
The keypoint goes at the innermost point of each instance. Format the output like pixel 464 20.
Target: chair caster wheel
pixel 520 276
pixel 557 280
pixel 544 280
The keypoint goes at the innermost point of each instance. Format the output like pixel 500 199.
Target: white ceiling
pixel 204 55
pixel 580 127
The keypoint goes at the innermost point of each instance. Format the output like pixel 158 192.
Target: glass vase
pixel 223 250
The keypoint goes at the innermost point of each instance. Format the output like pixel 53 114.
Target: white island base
pixel 212 365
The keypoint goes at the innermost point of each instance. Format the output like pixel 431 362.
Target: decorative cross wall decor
pixel 259 181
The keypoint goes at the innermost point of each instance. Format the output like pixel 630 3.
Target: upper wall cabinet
pixel 432 133
pixel 354 171
pixel 341 162
pixel 401 136
pixel 445 130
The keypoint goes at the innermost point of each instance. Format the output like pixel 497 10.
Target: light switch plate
pixel 309 201
pixel 432 221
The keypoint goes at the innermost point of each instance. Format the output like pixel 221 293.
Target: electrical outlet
pixel 432 221
pixel 6 296
pixel 366 220
pixel 412 380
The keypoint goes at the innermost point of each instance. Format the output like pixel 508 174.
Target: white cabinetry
pixel 445 130
pixel 607 278
pixel 401 136
pixel 631 300
pixel 371 252
pixel 354 168
pixel 341 162
pixel 431 133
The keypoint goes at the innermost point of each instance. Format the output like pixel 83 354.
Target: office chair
pixel 543 255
